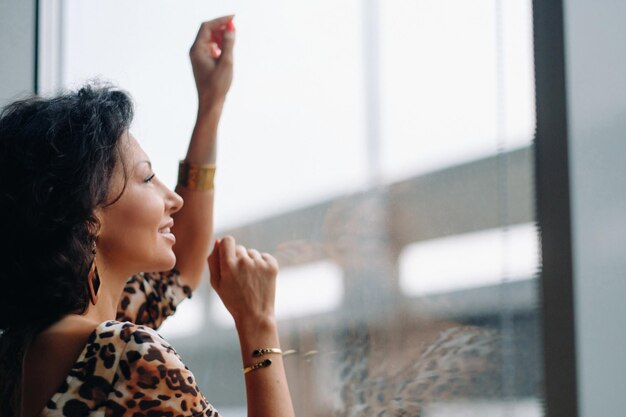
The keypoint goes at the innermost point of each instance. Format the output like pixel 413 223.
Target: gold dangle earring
pixel 93 280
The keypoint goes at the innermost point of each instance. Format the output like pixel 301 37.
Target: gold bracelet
pixel 196 176
pixel 263 351
pixel 258 365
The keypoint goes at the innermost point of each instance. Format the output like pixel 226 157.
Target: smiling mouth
pixel 167 234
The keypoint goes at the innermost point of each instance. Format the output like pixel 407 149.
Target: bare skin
pixel 245 280
pixel 130 242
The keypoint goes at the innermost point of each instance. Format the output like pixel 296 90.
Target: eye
pixel 149 178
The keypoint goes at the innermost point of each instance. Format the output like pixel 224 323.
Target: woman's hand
pixel 245 280
pixel 212 61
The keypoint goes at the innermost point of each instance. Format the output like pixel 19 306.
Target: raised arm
pixel 245 280
pixel 211 58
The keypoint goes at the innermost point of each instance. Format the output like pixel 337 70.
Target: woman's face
pixel 134 235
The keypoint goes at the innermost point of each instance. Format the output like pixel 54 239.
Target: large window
pixel 382 150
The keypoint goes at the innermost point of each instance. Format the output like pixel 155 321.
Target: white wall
pixel 596 70
pixel 17 48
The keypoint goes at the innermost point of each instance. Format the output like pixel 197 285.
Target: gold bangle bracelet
pixel 196 176
pixel 264 351
pixel 258 365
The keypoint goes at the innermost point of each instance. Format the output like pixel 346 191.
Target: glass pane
pixel 289 111
pixel 382 151
pixel 456 81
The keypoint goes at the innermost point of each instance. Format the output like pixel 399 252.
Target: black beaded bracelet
pixel 258 365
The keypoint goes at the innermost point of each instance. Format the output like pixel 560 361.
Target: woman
pixel 83 212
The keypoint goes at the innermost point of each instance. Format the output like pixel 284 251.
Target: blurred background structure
pixel 400 161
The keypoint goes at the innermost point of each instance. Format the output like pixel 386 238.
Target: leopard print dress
pixel 126 368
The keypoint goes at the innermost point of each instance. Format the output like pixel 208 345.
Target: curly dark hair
pixel 57 156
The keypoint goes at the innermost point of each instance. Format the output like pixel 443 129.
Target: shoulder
pixel 94 370
pixel 143 347
pixel 129 369
pixel 133 342
pixel 151 376
pixel 108 348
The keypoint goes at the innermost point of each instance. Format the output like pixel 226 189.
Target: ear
pixel 97 229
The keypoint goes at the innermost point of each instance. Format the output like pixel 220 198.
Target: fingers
pixel 242 253
pixel 214 50
pixel 227 251
pixel 264 260
pixel 218 35
pixel 271 262
pixel 228 43
pixel 222 42
pixel 214 264
pixel 220 21
pixel 204 33
pixel 255 255
pixel 251 257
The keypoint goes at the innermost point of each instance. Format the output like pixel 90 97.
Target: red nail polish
pixel 230 26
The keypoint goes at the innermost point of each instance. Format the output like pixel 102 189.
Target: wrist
pixel 249 326
pixel 210 106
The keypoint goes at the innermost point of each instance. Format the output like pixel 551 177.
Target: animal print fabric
pixel 126 368
pixel 151 297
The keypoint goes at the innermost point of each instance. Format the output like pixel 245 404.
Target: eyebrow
pixel 146 161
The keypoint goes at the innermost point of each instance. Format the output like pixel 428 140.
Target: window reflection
pixel 412 296
pixel 470 260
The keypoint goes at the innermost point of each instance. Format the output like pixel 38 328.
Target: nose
pixel 174 201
